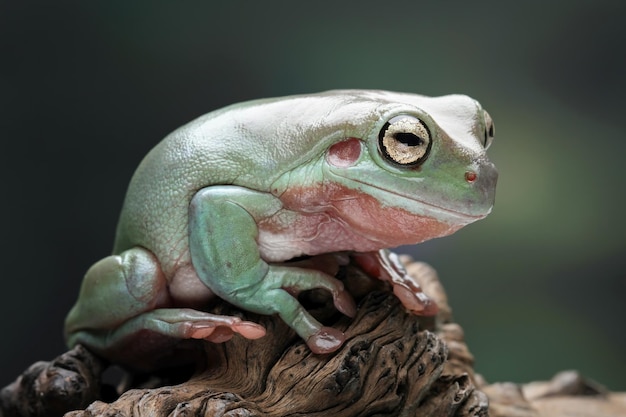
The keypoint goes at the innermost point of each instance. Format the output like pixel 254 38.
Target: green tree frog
pixel 221 205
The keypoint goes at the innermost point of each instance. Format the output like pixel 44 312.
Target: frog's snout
pixel 487 172
pixel 484 180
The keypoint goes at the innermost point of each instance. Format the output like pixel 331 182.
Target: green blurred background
pixel 87 88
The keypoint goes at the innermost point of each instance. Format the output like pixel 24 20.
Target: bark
pixel 393 364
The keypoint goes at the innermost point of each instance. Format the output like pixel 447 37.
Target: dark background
pixel 87 88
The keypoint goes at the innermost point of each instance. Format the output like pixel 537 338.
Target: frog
pixel 260 201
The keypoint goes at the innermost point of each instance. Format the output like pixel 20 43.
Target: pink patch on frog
pixel 249 330
pixel 345 153
pixel 369 224
pixel 202 332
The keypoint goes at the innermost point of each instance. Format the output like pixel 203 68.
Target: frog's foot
pixel 386 266
pixel 192 324
pixel 294 280
pixel 169 323
pixel 276 294
pixel 220 329
pixel 328 264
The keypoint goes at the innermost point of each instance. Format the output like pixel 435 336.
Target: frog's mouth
pixel 416 206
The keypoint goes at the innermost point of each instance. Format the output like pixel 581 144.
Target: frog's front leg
pixel 386 266
pixel 125 297
pixel 223 235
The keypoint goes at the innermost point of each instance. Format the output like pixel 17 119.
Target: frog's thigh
pixel 116 289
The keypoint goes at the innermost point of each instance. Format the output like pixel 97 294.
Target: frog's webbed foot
pixel 328 264
pixel 387 266
pixel 277 294
pixel 193 324
pixel 327 339
pixel 183 323
pixel 162 327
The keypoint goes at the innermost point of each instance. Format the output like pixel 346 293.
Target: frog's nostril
pixel 470 176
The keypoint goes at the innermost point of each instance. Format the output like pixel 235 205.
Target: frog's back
pixel 249 144
pixel 155 210
pixel 244 144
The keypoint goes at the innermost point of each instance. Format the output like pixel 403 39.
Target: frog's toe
pixel 249 330
pixel 345 303
pixel 201 330
pixel 416 302
pixel 218 332
pixel 221 334
pixel 326 340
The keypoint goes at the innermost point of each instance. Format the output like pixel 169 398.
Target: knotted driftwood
pixel 393 364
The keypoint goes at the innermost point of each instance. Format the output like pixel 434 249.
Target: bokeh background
pixel 87 88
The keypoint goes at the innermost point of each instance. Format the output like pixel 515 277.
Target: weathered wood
pixel 71 381
pixel 566 394
pixel 393 364
pixel 389 366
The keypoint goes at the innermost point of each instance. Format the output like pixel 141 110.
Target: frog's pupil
pixel 408 139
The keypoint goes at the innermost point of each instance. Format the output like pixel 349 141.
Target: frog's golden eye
pixel 490 130
pixel 405 140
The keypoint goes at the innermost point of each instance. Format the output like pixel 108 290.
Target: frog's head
pixel 410 169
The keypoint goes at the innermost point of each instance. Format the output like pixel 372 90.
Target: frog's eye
pixel 490 131
pixel 405 140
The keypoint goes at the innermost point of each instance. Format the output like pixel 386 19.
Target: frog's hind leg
pixel 125 298
pixel 155 339
pixel 115 289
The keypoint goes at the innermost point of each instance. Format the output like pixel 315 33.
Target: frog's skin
pixel 220 204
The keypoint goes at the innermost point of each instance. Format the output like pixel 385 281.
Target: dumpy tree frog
pixel 221 205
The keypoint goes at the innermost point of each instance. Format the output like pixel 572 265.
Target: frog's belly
pixel 288 236
pixel 310 236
